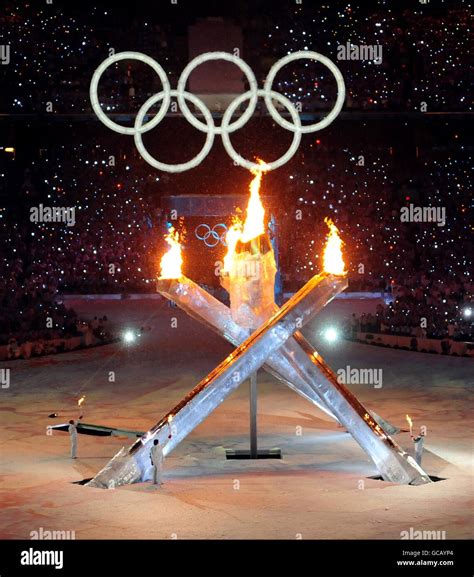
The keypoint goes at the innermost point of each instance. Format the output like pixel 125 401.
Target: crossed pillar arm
pixel 278 346
pixel 282 364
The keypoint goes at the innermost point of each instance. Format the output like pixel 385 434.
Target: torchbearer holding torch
pixel 72 430
pixel 419 445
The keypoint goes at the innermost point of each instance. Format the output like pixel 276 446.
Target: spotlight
pixel 129 337
pixel 330 334
pixel 467 312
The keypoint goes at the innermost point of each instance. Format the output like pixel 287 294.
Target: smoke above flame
pixel 333 263
pixel 172 261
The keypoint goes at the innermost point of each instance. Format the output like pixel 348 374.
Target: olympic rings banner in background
pixel 208 126
pixel 211 236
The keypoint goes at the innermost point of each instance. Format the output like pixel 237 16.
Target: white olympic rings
pixel 209 126
pixel 204 232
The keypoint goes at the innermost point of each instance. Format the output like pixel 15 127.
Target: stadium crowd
pixel 422 61
pixel 117 237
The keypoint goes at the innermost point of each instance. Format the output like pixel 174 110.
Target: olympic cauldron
pixel 264 335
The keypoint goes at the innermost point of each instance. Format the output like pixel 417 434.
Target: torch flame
pixel 333 262
pixel 81 400
pixel 172 261
pixel 255 221
pixel 410 422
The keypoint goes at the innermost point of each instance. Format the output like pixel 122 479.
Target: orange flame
pixel 254 224
pixel 233 235
pixel 333 262
pixel 172 261
pixel 81 400
pixel 255 221
pixel 410 422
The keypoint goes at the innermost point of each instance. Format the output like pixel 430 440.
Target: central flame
pixel 234 234
pixel 410 422
pixel 255 221
pixel 254 224
pixel 172 261
pixel 81 400
pixel 333 262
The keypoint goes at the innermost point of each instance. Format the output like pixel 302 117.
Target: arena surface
pixel 320 489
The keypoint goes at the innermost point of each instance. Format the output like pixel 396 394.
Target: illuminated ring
pixel 94 96
pixel 341 91
pixel 211 233
pixel 201 236
pixel 185 165
pixel 209 127
pixel 244 67
pixel 297 130
pixel 223 234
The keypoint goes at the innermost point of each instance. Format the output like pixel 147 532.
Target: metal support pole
pixel 253 416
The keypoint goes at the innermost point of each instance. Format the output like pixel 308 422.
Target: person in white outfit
pixel 72 429
pixel 157 459
pixel 419 445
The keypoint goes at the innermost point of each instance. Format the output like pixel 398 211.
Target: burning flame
pixel 233 235
pixel 333 262
pixel 254 224
pixel 255 221
pixel 410 422
pixel 81 400
pixel 170 418
pixel 172 261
